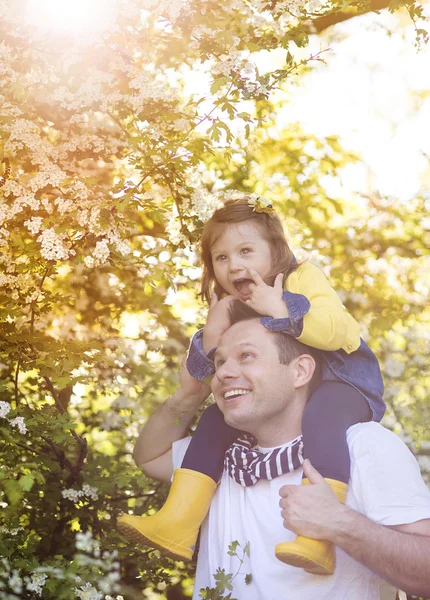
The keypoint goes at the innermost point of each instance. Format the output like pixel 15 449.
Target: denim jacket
pixel 360 368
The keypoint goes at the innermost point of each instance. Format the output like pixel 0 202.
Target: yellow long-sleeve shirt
pixel 327 325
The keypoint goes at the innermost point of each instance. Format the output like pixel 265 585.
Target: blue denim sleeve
pixel 199 364
pixel 298 305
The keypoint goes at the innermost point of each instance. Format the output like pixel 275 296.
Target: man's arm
pixel 169 423
pixel 399 554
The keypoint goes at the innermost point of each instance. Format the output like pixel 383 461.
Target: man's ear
pixel 304 369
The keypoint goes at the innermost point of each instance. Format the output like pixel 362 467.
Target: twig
pixel 16 382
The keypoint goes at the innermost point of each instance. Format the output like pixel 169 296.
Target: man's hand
pixel 265 299
pixel 311 510
pixel 217 322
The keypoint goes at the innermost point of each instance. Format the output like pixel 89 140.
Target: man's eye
pixel 247 355
pixel 218 364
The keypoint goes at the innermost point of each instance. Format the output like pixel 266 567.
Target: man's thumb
pixel 311 473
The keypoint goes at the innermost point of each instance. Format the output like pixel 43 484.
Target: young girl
pixel 245 255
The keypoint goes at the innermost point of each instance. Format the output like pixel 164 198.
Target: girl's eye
pixel 220 257
pixel 246 250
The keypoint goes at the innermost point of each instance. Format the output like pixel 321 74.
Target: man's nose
pixel 227 371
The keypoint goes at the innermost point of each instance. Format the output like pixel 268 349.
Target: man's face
pixel 250 385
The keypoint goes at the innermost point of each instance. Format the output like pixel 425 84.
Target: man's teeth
pixel 237 392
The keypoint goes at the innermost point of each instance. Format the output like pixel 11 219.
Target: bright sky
pixel 369 94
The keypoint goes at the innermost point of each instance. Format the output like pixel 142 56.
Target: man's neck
pixel 279 431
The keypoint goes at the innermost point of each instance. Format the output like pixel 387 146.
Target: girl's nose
pixel 236 265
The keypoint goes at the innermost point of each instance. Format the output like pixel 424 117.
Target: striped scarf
pixel 246 465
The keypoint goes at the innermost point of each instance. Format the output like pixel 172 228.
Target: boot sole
pixel 137 537
pixel 309 565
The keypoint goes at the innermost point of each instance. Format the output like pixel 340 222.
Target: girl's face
pixel 240 246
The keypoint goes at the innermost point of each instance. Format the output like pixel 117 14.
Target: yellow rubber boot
pixel 174 529
pixel 314 556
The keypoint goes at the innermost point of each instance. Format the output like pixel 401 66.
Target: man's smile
pixel 235 393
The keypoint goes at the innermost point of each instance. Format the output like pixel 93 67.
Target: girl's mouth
pixel 242 286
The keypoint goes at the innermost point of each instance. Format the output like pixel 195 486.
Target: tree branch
pixel 322 23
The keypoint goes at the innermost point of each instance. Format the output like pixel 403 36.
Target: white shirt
pixel 385 485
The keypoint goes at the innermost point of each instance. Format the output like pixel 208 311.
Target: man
pixel 383 531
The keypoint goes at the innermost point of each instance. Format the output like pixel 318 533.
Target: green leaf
pixel 26 482
pixel 218 83
pixel 248 578
pixel 223 580
pixel 13 490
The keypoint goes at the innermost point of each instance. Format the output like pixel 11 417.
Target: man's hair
pixel 288 347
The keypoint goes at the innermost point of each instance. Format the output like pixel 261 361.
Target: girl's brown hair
pixel 270 226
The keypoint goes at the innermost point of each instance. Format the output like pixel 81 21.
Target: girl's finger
pixel 255 276
pixel 214 301
pixel 278 285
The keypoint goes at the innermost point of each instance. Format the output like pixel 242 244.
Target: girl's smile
pixel 239 247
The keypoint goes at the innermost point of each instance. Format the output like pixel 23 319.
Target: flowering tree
pixel 117 143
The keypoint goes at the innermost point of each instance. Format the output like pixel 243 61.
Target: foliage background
pixel 121 137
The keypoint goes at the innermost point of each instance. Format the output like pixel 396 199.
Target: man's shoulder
pixel 373 438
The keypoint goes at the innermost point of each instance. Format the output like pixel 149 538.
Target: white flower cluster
pixel 53 245
pixel 86 492
pixel 106 562
pixel 36 583
pixel 34 224
pixel 88 592
pixel 204 203
pixel 18 422
pixel 5 408
pixel 10 577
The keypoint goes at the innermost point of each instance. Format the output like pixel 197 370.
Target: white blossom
pixel 86 491
pixel 85 542
pixel 394 368
pixel 89 262
pixel 34 224
pixel 101 252
pixel 5 408
pixel 52 245
pixel 15 582
pixel 88 592
pixel 37 582
pixel 19 423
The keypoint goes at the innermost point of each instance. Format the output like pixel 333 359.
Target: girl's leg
pixel 331 410
pixel 209 443
pixel 175 527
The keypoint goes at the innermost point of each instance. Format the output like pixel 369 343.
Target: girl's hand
pixel 265 299
pixel 218 321
pixel 192 391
